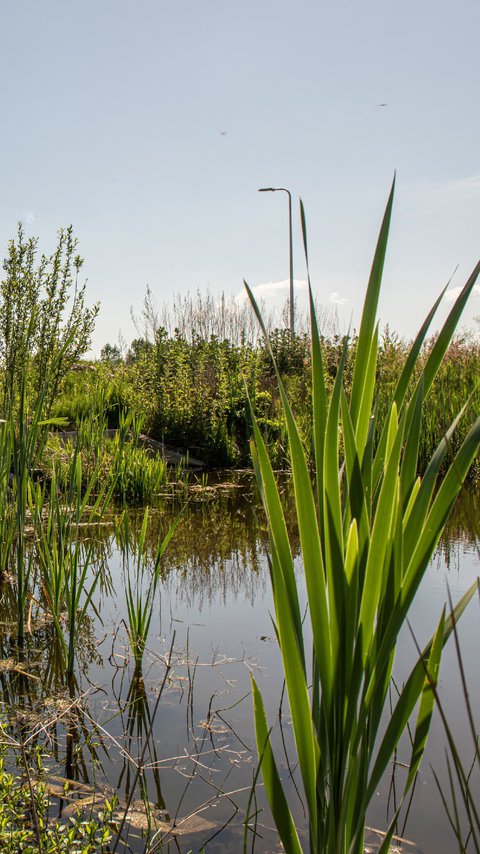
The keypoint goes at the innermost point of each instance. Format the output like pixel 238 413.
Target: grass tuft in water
pixel 141 583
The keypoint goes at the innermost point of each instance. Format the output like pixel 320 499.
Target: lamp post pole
pixel 290 240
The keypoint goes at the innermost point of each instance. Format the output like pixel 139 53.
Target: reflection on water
pixel 197 767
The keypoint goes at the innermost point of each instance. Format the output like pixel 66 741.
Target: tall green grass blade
pixel 309 537
pixel 445 336
pixel 277 529
pixel 273 787
pixel 417 515
pixel 364 415
pixel 332 510
pixel 410 694
pixel 427 703
pixel 380 538
pixel 405 378
pixel 296 681
pixel 319 392
pixel 422 728
pixel 443 503
pixel 365 337
pixel 410 455
pixel 355 487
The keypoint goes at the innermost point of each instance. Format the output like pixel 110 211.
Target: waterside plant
pixel 141 584
pixel 368 528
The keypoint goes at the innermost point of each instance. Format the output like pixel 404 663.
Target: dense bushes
pixel 194 394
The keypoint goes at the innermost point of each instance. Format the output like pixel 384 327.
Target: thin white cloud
pixel 271 289
pixel 337 299
pixel 469 186
pixel 452 294
pixel 429 197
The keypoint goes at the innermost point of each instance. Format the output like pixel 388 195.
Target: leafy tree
pixel 111 353
pixel 140 347
pixel 45 325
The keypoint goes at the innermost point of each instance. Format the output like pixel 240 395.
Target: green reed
pixel 141 583
pixel 368 527
pixel 27 430
pixel 7 508
pixel 66 558
pixel 139 474
pixel 136 473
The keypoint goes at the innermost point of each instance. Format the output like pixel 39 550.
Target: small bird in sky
pixel 383 105
pixel 223 132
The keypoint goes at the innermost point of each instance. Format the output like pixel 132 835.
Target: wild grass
pixel 64 557
pixel 368 528
pixel 460 796
pixel 134 474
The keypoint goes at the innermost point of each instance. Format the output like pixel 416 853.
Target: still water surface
pixel 215 605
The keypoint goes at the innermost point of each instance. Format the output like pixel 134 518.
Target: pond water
pixel 212 621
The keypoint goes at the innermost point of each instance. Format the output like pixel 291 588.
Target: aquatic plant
pixel 141 585
pixel 25 436
pixel 368 527
pixel 27 820
pixel 65 558
pixel 460 796
pixel 138 474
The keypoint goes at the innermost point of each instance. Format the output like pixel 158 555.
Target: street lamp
pixel 284 190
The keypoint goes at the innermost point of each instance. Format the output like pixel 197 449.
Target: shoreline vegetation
pixel 196 394
pixel 193 377
pixel 378 436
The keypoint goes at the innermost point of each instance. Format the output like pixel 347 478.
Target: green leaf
pixel 273 787
pixel 367 326
pixel 410 694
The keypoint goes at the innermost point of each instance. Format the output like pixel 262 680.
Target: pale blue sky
pixel 112 112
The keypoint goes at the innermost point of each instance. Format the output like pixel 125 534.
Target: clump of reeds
pixel 134 473
pixel 137 474
pixel 141 578
pixel 66 558
pixel 368 527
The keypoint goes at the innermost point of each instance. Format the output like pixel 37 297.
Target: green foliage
pixel 139 349
pixel 111 353
pixel 134 475
pixel 137 475
pixel 44 323
pixel 63 557
pixel 141 584
pixel 193 393
pixel 27 823
pixel 21 447
pixel 368 528
pixel 101 390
